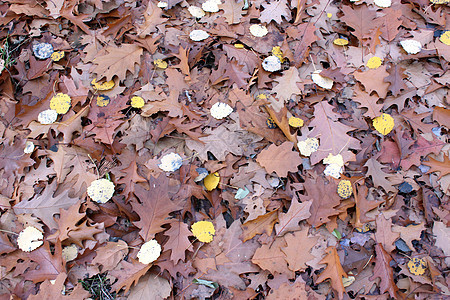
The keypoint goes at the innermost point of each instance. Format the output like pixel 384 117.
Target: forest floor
pixel 237 150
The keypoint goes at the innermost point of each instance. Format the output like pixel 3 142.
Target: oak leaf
pixel 332 134
pixel 298 253
pixel 129 178
pixel 232 11
pixel 324 200
pixel 384 271
pixel 279 159
pixel 275 10
pixel 262 224
pixel 384 235
pixel 178 241
pixel 373 80
pixel 379 177
pixel 443 167
pixel 117 61
pixel 368 101
pixel 151 286
pixel 287 85
pixel 333 271
pixel 152 18
pixel 128 274
pixel 409 233
pixel 50 265
pixel 360 19
pixel 155 207
pixel 46 205
pixel 5 244
pixel 296 213
pixel 110 255
pixel 270 257
pixel 396 79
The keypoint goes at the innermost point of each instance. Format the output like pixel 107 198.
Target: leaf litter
pixel 313 137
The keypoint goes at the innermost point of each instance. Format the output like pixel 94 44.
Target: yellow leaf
pixel 383 124
pixel 365 228
pixel 345 189
pixel 276 51
pixel 211 181
pixel 417 266
pixel 204 231
pixel 102 100
pixel 60 103
pixel 159 63
pixel 340 42
pixel 295 122
pixel 439 1
pixel 107 85
pixel 329 15
pixel 57 56
pixel 271 123
pixel 137 102
pixel 261 97
pixel 239 46
pixel 374 62
pixel 445 38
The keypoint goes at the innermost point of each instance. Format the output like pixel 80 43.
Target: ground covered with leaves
pixel 226 150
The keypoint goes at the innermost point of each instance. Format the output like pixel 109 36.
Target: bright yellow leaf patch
pixel 159 63
pixel 102 100
pixel 374 62
pixel 295 122
pixel 345 189
pixel 417 266
pixel 60 103
pixel 203 230
pixel 340 42
pixel 137 102
pixel 211 181
pixel 445 38
pixel 57 55
pixel 107 85
pixel 383 124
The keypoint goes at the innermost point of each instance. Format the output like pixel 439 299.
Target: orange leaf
pixel 333 271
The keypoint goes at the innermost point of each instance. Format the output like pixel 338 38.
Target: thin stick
pixel 7 231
